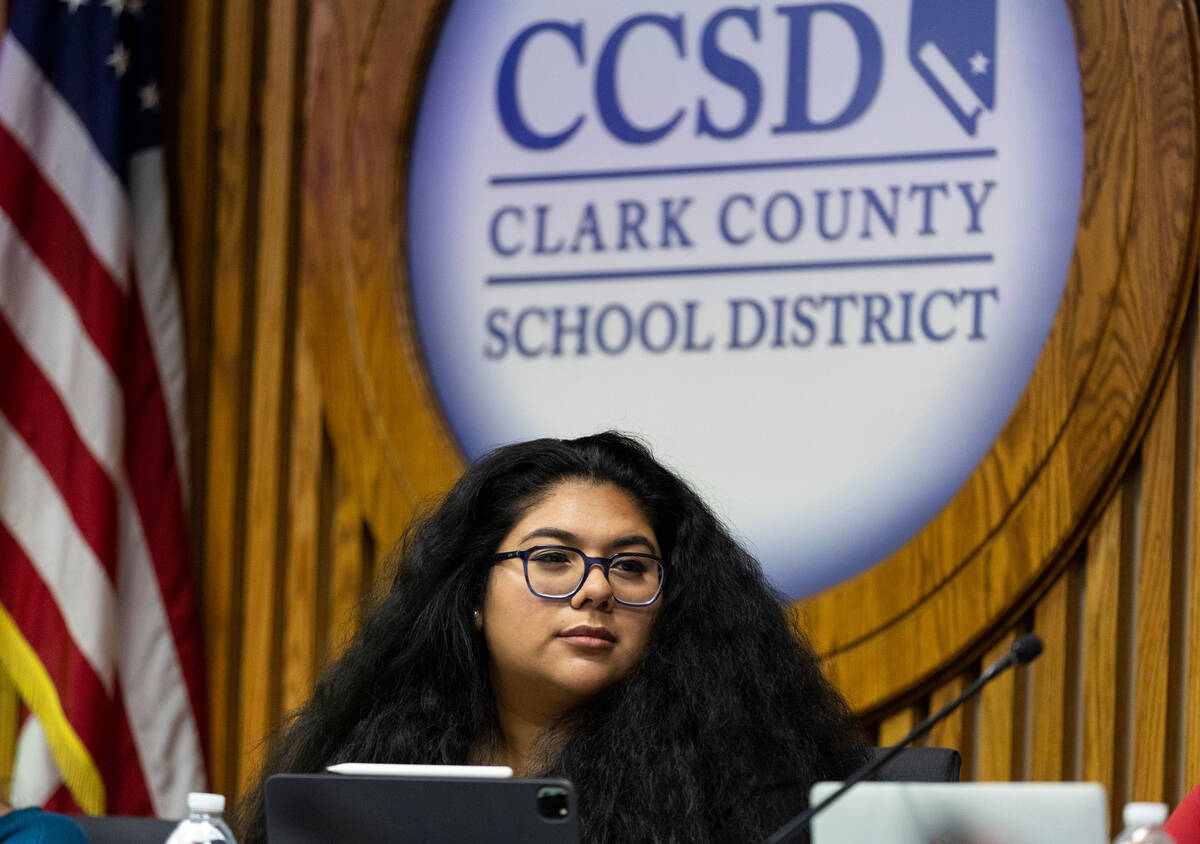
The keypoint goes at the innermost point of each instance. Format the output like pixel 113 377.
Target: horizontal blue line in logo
pixel 742 166
pixel 731 269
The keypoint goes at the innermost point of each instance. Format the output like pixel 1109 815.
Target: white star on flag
pixel 118 59
pixel 979 63
pixel 148 94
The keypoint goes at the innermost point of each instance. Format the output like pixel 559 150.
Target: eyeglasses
pixel 557 572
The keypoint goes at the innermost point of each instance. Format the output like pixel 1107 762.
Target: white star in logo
pixel 979 63
pixel 117 6
pixel 148 94
pixel 74 5
pixel 118 59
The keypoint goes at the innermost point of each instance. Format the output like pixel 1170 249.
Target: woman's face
pixel 552 655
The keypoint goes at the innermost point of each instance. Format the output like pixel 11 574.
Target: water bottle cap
pixel 1145 814
pixel 210 804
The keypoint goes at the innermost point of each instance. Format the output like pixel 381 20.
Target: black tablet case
pixel 340 809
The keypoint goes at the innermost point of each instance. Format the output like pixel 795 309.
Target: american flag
pixel 99 630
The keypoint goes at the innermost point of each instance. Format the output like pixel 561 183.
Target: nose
pixel 595 588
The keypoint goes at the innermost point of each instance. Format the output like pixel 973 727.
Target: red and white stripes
pixel 94 567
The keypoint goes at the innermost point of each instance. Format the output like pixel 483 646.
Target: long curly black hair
pixel 715 736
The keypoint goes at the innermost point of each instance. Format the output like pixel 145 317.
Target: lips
pixel 590 637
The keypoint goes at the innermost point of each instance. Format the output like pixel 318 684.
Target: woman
pixel 676 696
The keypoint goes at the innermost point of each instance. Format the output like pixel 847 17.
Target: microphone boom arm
pixel 1024 649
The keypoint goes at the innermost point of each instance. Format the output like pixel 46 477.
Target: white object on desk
pixel 381 769
pixel 917 813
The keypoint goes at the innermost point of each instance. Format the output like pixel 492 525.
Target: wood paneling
pixel 347 575
pixel 274 268
pixel 1054 681
pixel 359 100
pixel 317 434
pixel 229 350
pixel 1111 698
pixel 1106 650
pixel 304 595
pixel 895 727
pixel 1190 740
pixel 996 721
pixel 190 147
pixel 1153 584
pixel 955 730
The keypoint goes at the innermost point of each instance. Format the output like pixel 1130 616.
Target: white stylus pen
pixel 380 769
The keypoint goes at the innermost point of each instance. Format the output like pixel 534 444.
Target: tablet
pixel 373 809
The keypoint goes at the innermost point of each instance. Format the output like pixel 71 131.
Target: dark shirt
pixel 33 826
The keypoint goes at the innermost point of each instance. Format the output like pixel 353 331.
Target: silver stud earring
pixel 475 615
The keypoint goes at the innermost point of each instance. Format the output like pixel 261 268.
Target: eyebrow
pixel 631 540
pixel 550 533
pixel 626 541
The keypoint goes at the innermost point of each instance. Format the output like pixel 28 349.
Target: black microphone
pixel 1023 651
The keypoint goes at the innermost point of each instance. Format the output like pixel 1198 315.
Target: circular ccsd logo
pixel 810 251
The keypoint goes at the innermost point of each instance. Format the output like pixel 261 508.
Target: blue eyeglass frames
pixel 558 572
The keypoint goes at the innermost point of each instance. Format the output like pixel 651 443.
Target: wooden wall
pixel 1115 697
pixel 286 556
pixel 278 202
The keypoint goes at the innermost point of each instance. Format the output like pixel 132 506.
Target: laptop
pixel 374 809
pixel 969 813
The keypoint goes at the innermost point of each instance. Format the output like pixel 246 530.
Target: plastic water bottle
pixel 204 824
pixel 1144 823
